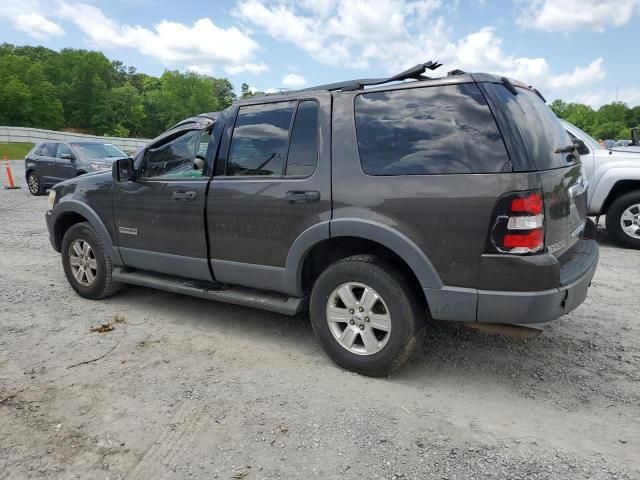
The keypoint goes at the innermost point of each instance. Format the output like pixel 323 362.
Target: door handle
pixel 184 195
pixel 303 197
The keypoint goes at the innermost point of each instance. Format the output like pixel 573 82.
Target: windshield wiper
pixel 568 149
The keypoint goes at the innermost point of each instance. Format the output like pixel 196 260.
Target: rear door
pixel 563 181
pixel 272 182
pixel 47 163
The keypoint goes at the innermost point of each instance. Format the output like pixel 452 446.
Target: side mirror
pixel 123 170
pixel 67 156
pixel 581 146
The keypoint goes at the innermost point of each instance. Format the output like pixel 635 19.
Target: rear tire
pixel 352 338
pixel 86 263
pixel 623 219
pixel 34 184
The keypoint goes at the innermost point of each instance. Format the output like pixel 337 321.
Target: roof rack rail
pixel 413 72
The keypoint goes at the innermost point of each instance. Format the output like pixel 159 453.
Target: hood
pixel 632 149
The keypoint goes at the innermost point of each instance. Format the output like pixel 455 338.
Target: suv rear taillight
pixel 517 225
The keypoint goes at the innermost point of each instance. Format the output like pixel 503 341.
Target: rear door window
pixel 429 130
pixel 260 139
pixel 539 127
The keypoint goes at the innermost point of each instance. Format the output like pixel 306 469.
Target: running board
pixel 246 297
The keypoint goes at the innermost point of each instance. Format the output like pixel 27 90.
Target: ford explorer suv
pixel 614 185
pixel 51 162
pixel 373 204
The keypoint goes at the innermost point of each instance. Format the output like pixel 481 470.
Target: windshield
pixel 592 142
pixel 544 136
pixel 98 150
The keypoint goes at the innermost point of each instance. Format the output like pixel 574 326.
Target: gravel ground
pixel 187 388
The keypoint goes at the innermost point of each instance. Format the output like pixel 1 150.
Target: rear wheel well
pixel 64 223
pixel 620 188
pixel 331 250
pixel 81 172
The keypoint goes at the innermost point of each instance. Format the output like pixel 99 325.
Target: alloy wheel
pixel 358 318
pixel 630 221
pixel 33 183
pixel 84 265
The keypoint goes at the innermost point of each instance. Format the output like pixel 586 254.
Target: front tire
pixel 623 220
pixel 34 184
pixel 86 264
pixel 365 315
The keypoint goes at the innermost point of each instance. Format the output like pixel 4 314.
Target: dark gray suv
pixel 460 198
pixel 51 162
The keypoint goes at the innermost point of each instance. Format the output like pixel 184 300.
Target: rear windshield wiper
pixel 568 149
pixel 507 83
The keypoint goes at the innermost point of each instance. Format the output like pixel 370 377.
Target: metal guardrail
pixel 37 135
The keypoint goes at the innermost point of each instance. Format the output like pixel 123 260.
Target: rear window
pixel 429 130
pixel 541 130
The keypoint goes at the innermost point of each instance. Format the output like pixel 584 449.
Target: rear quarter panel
pixel 446 216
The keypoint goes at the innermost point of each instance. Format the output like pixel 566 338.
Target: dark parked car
pixel 51 162
pixel 459 197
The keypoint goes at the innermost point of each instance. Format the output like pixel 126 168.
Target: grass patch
pixel 15 151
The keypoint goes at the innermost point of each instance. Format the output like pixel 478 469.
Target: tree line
pixel 611 121
pixel 84 91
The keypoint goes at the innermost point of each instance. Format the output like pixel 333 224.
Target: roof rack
pixel 411 73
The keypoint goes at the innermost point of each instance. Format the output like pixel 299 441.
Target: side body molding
pixel 80 208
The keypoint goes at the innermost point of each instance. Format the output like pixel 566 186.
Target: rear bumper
pixel 500 306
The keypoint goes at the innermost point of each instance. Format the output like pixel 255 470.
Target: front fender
pixel 605 181
pixel 67 206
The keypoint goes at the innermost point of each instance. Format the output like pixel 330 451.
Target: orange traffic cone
pixel 12 185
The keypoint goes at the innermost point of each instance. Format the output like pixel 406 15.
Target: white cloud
pixel 397 34
pixel 572 15
pixel 293 80
pixel 595 99
pixel 37 26
pixel 34 23
pixel 580 76
pixel 202 46
pixel 483 51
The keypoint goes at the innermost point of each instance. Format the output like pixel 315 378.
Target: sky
pixel 578 50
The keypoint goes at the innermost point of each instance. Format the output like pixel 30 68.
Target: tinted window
pixel 541 130
pixel 260 138
pixel 63 149
pixel 176 158
pixel 98 150
pixel 48 150
pixel 303 150
pixel 432 130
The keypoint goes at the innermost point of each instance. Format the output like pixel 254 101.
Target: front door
pixel 65 162
pixel 159 218
pixel 272 182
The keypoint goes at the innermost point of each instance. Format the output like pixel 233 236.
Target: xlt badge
pixel 128 231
